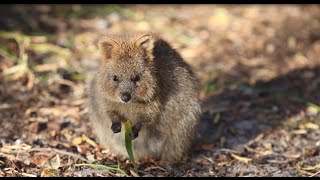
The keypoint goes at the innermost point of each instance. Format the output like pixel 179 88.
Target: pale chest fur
pixel 131 113
pixel 135 111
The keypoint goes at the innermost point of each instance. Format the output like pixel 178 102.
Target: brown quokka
pixel 142 79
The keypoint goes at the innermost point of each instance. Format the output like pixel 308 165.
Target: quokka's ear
pixel 147 43
pixel 106 46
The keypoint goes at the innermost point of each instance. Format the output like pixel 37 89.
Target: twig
pixel 62 152
pixel 228 150
pixel 55 150
pixel 28 175
pixel 207 158
pixel 108 168
pixel 315 174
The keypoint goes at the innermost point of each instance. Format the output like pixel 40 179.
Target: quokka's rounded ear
pixel 146 42
pixel 106 45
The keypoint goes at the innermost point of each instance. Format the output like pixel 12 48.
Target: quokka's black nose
pixel 125 97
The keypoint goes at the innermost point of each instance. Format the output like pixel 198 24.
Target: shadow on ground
pixel 249 110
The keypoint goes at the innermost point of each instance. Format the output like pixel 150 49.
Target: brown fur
pixel 164 99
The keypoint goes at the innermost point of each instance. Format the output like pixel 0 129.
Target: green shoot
pixel 103 167
pixel 128 142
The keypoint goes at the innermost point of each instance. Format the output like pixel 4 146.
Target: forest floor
pixel 259 67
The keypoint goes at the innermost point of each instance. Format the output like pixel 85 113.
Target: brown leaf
pixel 53 125
pixel 31 79
pixel 312 167
pixel 61 111
pixel 311 126
pixel 242 159
pixel 76 141
pixel 299 131
pixel 55 162
pixel 40 160
pixel 48 172
pixel 154 167
pixel 205 147
pixel 134 174
pixel 90 156
pixel 28 175
pixel 89 141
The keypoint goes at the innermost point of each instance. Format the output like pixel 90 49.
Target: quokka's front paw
pixel 134 134
pixel 116 127
pixel 135 131
pixel 116 124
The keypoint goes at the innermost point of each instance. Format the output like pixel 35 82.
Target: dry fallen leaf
pixel 242 159
pixel 318 172
pixel 46 67
pixel 312 167
pixel 154 167
pixel 208 159
pixel 300 57
pixel 311 126
pixel 305 172
pixel 40 160
pixel 76 141
pixel 15 147
pixel 61 111
pixel 89 141
pixel 55 162
pixel 31 79
pixel 90 156
pixel 222 163
pixel 48 172
pixel 134 174
pixel 299 131
pixel 312 110
pixel 28 175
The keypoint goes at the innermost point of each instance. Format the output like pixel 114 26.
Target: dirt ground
pixel 259 67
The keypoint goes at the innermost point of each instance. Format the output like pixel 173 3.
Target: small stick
pixel 55 150
pixel 315 174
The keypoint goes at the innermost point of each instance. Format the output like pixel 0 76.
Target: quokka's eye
pixel 115 78
pixel 136 78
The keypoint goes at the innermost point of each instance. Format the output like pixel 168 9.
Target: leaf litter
pixel 258 67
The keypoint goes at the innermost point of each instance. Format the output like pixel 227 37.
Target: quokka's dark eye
pixel 136 78
pixel 115 78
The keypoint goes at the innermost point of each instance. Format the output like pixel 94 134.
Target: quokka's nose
pixel 125 97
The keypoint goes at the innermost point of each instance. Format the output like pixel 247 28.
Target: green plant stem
pixel 128 142
pixel 103 167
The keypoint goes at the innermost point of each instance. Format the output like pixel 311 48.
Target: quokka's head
pixel 127 71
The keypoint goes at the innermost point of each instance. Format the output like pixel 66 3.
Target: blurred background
pixel 259 68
